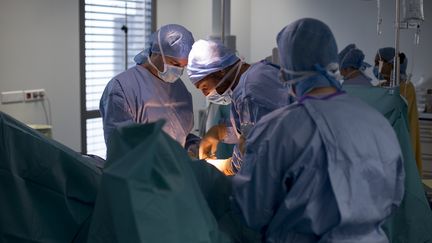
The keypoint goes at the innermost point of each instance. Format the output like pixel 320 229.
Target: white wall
pixel 352 21
pixel 39 48
pixel 241 27
pixel 196 15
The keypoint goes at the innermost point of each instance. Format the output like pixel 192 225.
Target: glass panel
pixel 105 52
pixel 105 40
pixel 95 139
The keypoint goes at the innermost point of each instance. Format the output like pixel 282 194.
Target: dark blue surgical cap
pixel 305 43
pixel 351 57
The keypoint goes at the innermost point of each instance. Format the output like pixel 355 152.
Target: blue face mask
pixel 308 80
pixel 225 98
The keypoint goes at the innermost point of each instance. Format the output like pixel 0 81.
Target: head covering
pixel 175 40
pixel 352 57
pixel 347 49
pixel 141 57
pixel 387 54
pixel 208 56
pixel 308 54
pixel 306 42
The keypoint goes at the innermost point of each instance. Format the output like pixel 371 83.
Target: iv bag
pixel 379 18
pixel 412 12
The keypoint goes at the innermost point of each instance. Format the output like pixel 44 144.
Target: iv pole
pixel 223 21
pixel 124 28
pixel 396 78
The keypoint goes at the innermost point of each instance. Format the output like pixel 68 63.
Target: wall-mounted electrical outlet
pixel 12 96
pixel 34 95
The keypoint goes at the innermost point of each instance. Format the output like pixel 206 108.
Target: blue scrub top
pixel 137 96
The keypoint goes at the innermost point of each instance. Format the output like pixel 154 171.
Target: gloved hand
pixel 209 142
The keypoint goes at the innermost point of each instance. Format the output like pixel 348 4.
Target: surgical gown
pixel 412 221
pixel 137 96
pixel 326 169
pixel 258 93
pixel 361 79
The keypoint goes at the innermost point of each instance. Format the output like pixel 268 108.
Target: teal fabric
pixel 47 191
pixel 217 189
pixel 149 192
pixel 412 222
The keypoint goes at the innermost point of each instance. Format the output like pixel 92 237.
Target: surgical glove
pixel 209 142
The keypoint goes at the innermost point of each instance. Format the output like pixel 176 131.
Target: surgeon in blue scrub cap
pixel 325 169
pixel 152 90
pixel 253 90
pixel 352 66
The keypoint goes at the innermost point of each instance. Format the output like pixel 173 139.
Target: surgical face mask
pixel 331 72
pixel 225 97
pixel 292 82
pixel 220 99
pixel 170 73
pixel 284 81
